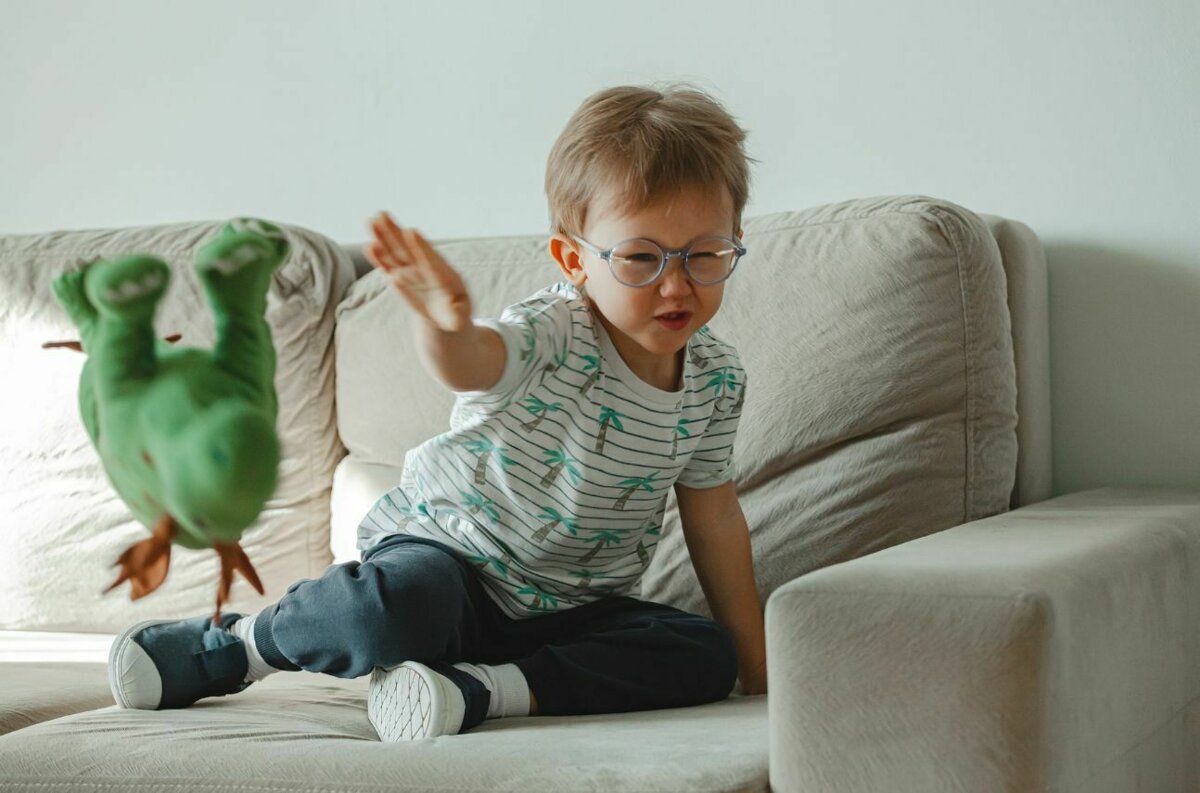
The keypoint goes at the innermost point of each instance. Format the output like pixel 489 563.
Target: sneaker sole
pixel 129 664
pixel 411 702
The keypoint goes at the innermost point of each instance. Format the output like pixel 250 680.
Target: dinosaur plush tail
pixel 144 564
pixel 233 558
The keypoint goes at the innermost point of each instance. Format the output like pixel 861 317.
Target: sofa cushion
pixel 881 404
pixel 881 397
pixel 302 731
pixel 36 692
pixel 62 522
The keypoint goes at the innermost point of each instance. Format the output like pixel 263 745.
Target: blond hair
pixel 640 143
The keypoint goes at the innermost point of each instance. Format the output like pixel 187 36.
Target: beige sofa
pixel 935 620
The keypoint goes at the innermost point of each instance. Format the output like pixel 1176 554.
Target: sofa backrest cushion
pixel 62 523
pixel 881 396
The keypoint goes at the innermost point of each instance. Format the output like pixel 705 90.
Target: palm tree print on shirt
pixel 643 554
pixel 474 502
pixel 506 557
pixel 540 410
pixel 538 596
pixel 631 484
pixel 601 538
pixel 484 449
pixel 556 460
pixel 559 359
pixel 484 561
pixel 553 517
pixel 420 508
pixel 586 577
pixel 608 415
pixel 593 362
pixel 720 380
pixel 680 432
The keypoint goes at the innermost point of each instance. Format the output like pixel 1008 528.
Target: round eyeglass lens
pixel 711 259
pixel 636 262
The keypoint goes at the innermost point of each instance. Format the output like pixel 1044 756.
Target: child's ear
pixel 567 257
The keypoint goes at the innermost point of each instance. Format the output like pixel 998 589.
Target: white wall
pixel 1076 117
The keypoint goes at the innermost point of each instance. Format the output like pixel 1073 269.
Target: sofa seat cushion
pixel 308 732
pixel 33 692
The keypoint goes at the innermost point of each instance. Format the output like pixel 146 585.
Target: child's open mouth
pixel 674 320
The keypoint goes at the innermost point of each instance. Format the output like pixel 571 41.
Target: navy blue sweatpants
pixel 413 598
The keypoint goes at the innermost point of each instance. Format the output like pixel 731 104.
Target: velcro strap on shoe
pixel 225 665
pixel 476 694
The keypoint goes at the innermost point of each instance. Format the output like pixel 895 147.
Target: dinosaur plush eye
pixel 201 524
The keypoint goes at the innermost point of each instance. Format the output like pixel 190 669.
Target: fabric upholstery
pixel 61 520
pixel 1053 647
pixel 1029 312
pixel 1048 648
pixel 303 732
pixel 36 692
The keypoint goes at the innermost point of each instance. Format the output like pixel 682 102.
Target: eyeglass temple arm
pixel 737 246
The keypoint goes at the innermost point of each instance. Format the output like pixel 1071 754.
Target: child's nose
pixel 674 279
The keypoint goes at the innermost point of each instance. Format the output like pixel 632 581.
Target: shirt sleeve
pixel 711 463
pixel 537 334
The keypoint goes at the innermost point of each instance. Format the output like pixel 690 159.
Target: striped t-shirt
pixel 554 481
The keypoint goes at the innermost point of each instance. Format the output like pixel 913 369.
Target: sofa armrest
pixel 1051 647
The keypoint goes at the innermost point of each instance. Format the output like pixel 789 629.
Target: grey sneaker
pixel 161 664
pixel 415 700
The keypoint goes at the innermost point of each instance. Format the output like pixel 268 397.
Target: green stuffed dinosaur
pixel 186 436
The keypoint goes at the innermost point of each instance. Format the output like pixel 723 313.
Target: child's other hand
pixel 754 679
pixel 419 273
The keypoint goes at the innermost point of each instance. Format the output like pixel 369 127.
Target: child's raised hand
pixel 419 273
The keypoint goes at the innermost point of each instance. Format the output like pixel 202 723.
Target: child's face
pixel 629 313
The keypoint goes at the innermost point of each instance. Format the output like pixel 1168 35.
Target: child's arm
pixel 718 541
pixel 463 356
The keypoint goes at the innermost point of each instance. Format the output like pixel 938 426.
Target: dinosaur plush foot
pixel 128 286
pixel 145 564
pixel 236 266
pixel 233 558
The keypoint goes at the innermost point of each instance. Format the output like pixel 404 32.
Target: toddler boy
pixel 495 576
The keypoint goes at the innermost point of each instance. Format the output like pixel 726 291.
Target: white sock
pixel 510 690
pixel 244 630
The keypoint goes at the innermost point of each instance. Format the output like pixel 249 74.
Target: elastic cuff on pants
pixel 264 641
pixel 547 703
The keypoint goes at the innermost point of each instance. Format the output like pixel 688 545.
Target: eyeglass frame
pixel 684 253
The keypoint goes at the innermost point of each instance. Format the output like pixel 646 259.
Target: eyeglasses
pixel 641 262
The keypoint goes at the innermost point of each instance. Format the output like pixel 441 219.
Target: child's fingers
pixel 396 235
pixel 432 262
pixel 392 240
pixel 389 235
pixel 371 253
pixel 406 254
pixel 378 256
pixel 422 246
